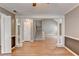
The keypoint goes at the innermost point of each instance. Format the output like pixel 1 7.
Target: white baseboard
pixel 31 40
pixel 19 45
pixel 71 51
pixel 13 48
pixel 60 45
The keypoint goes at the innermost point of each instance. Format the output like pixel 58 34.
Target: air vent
pixel 14 11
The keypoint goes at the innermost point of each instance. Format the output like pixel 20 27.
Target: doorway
pixel 45 30
pixel 48 27
pixel 27 30
pixel 38 27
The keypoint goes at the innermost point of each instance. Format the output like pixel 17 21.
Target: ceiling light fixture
pixel 34 4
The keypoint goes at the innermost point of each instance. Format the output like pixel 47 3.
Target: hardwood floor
pixel 41 48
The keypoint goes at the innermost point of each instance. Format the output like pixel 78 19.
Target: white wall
pixel 49 26
pixel 72 23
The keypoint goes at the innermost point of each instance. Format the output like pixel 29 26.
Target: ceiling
pixel 40 9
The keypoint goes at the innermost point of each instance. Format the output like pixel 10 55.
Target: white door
pixel 27 31
pixel 5 34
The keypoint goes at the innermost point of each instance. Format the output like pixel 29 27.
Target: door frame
pixel 19 39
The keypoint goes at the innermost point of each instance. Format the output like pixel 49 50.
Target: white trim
pixel 19 45
pixel 72 37
pixel 13 48
pixel 43 16
pixel 32 41
pixel 28 40
pixel 17 33
pixel 60 40
pixel 71 51
pixel 72 8
pixel 40 39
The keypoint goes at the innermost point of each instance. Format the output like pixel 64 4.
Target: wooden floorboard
pixel 41 48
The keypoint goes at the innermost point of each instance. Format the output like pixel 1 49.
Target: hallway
pixel 41 48
pixel 40 24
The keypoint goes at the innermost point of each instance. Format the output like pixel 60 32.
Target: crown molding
pixel 6 8
pixel 71 8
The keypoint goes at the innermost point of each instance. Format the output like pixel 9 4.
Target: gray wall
pixel 72 23
pixel 72 44
pixel 72 30
pixel 49 26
